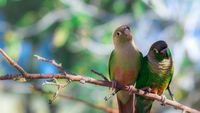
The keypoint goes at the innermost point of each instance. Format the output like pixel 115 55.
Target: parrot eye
pixel 155 50
pixel 119 33
pixel 128 27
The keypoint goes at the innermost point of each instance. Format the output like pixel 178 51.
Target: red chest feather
pixel 124 76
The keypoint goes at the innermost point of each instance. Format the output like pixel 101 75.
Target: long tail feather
pixel 126 108
pixel 143 105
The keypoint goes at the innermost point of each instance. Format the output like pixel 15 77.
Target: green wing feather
pixel 147 78
pixel 141 80
pixel 109 65
pixel 111 62
pixel 142 105
pixel 171 74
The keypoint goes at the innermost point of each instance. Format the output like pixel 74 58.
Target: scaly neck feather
pixel 161 67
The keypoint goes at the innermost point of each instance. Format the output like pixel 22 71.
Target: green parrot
pixel 156 74
pixel 124 65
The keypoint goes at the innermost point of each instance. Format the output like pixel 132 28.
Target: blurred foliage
pixel 78 34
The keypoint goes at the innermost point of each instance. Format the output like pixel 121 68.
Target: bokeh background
pixel 78 34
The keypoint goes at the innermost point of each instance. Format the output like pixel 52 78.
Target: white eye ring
pixel 155 50
pixel 119 33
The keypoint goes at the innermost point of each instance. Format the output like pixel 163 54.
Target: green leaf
pixel 60 37
pixel 13 44
pixel 3 3
pixel 118 6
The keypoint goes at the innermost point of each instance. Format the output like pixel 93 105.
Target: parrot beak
pixel 165 52
pixel 127 33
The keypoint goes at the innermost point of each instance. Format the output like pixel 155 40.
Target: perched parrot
pixel 124 65
pixel 156 74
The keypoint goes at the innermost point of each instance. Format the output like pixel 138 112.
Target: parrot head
pixel 122 34
pixel 159 51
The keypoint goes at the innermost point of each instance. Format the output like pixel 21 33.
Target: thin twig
pixel 170 93
pixel 79 78
pixel 53 62
pixel 100 74
pixel 59 66
pixel 105 109
pixel 106 84
pixel 13 63
pixel 111 95
pixel 55 82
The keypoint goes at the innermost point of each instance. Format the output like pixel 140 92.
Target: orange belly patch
pixel 125 76
pixel 159 90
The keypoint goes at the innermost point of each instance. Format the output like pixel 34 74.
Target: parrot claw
pixel 130 89
pixel 163 100
pixel 114 85
pixel 146 89
pixel 113 88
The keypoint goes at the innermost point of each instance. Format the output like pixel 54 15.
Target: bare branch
pixel 100 74
pixel 53 62
pixel 105 109
pixel 106 84
pixel 13 63
pixel 81 78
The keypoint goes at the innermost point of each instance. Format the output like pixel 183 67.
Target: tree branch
pixel 81 78
pixel 58 66
pixel 105 109
pixel 15 65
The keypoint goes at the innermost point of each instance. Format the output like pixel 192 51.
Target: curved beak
pixel 165 52
pixel 127 32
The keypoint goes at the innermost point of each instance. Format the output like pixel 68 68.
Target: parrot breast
pixel 162 67
pixel 125 76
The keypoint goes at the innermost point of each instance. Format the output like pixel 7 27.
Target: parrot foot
pixel 130 89
pixel 114 85
pixel 146 89
pixel 163 100
pixel 113 88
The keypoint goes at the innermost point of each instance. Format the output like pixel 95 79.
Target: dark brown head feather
pixel 159 45
pixel 159 51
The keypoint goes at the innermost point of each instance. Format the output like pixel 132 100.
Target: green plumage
pixel 124 65
pixel 156 73
pixel 110 64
